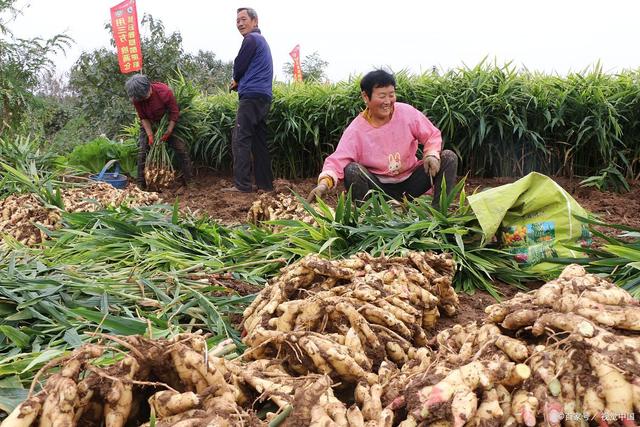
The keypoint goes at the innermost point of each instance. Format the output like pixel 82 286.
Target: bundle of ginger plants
pixel 159 172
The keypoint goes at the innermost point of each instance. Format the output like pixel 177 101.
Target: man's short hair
pixel 374 79
pixel 137 87
pixel 250 11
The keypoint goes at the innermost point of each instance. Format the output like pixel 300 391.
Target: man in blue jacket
pixel 252 78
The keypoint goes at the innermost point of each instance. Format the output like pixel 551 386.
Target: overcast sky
pixel 356 35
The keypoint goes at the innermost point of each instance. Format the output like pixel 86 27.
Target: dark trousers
pixel 178 145
pixel 250 141
pixel 360 180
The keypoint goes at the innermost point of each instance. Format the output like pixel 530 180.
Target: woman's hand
pixel 431 165
pixel 319 191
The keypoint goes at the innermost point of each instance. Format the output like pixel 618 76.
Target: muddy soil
pixel 205 196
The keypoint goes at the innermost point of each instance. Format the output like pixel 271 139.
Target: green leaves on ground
pixel 93 155
pixel 618 258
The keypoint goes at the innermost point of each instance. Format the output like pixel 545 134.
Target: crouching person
pixel 378 149
pixel 152 101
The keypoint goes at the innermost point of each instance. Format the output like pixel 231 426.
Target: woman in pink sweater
pixel 378 149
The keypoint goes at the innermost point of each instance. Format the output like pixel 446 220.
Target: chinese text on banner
pixel 124 23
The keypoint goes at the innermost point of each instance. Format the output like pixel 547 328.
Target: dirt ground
pixel 472 306
pixel 204 196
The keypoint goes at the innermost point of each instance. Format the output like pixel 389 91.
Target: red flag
pixel 124 24
pixel 297 70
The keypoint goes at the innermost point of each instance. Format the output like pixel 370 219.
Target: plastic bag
pixel 532 218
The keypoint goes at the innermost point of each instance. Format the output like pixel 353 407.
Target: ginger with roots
pixel 460 385
pixel 118 401
pixel 166 403
pixel 489 411
pixel 617 391
pixel 355 327
pixel 26 413
pixel 524 407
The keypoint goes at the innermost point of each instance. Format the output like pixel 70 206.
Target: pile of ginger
pixel 352 343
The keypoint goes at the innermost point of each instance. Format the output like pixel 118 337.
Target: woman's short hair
pixel 374 79
pixel 137 87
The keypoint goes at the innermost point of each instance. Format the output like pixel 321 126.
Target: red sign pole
pixel 124 24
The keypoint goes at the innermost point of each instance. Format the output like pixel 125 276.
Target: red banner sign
pixel 297 69
pixel 124 23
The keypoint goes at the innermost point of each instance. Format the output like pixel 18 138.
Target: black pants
pixel 178 145
pixel 360 180
pixel 250 140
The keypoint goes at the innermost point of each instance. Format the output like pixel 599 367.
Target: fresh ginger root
pixel 167 402
pixel 118 401
pixel 460 385
pixel 489 410
pixel 62 396
pixel 25 413
pixel 524 406
pixel 617 391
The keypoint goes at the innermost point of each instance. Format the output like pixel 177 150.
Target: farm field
pixel 128 299
pixel 197 307
pixel 166 297
pixel 205 196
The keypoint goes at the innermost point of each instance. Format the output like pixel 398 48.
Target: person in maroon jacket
pixel 152 101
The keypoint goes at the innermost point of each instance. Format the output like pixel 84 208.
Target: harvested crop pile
pixel 545 357
pixel 159 176
pixel 20 212
pixel 282 206
pixel 563 354
pixel 99 195
pixel 183 382
pixel 344 317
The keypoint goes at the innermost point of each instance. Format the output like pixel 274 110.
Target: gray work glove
pixel 319 191
pixel 431 165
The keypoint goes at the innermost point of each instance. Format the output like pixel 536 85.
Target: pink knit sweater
pixel 388 151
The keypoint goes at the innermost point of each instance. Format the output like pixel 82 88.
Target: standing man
pixel 253 79
pixel 152 101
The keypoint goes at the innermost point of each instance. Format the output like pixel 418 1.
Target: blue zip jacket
pixel 253 67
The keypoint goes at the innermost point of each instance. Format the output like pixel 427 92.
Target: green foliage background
pixel 22 63
pixel 500 121
pixel 92 156
pixel 99 86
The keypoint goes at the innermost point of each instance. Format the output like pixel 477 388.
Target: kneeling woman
pixel 378 149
